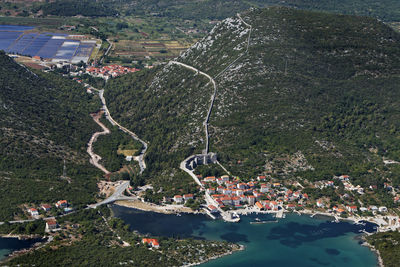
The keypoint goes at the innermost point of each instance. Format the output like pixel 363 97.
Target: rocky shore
pixel 239 248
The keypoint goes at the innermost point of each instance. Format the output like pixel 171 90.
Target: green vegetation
pixel 161 128
pixel 387 10
pixel 82 7
pixel 30 228
pixel 388 246
pixel 112 146
pixel 314 97
pixel 44 119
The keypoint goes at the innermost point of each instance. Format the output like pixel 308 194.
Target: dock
pixel 209 214
pixel 279 214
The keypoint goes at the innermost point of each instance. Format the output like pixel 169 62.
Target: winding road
pixel 94 157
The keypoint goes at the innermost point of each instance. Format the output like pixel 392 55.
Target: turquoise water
pixel 293 241
pixel 8 245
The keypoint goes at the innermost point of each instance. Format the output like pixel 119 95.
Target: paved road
pixel 94 157
pixel 118 195
pixel 30 220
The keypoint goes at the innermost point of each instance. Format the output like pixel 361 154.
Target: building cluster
pixel 260 193
pixel 269 194
pixel 178 199
pixel 61 204
pixel 349 207
pixel 110 71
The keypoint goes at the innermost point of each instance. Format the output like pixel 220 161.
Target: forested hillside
pixel 81 7
pixel 386 10
pixel 315 96
pixel 44 119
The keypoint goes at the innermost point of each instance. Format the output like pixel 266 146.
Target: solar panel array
pixel 7 39
pixel 22 43
pixel 37 44
pixel 53 46
pixel 67 50
pixel 83 52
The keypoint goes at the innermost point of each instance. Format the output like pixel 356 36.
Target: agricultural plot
pixel 139 50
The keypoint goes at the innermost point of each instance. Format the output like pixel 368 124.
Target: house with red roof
pixel 236 201
pixel 212 208
pixel 209 179
pixel 264 188
pixel 261 178
pixel 46 207
pixel 33 212
pixel 62 204
pixel 273 205
pixel 210 190
pixel 290 206
pixel 241 186
pixel 226 200
pixel 51 225
pixel 151 241
pixel 259 206
pixel 186 197
pixel 225 178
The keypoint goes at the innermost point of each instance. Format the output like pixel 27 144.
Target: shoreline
pixel 147 206
pixel 41 241
pixel 350 219
pixel 241 248
pixel 21 237
pixel 375 251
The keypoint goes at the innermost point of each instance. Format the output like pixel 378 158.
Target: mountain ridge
pixel 273 105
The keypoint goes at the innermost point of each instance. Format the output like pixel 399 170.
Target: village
pixel 269 195
pixel 110 71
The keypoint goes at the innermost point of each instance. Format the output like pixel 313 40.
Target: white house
pixel 178 199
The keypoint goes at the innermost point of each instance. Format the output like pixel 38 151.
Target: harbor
pixel 308 240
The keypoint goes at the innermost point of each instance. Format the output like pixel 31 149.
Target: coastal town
pixel 268 195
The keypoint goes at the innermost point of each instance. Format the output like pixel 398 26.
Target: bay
pixel 295 240
pixel 8 245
